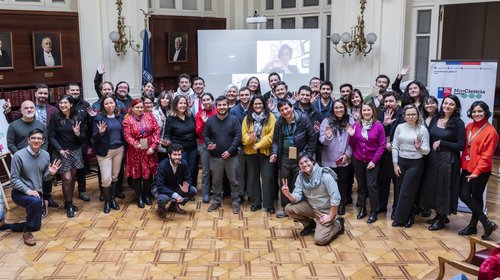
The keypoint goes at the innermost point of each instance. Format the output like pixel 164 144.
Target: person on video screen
pixel 281 64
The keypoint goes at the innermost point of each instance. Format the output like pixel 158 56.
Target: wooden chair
pixel 473 261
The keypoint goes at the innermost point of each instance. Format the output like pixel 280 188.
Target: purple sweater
pixel 371 149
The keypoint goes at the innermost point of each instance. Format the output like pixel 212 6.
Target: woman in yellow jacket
pixel 257 137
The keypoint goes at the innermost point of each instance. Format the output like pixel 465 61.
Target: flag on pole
pixel 147 67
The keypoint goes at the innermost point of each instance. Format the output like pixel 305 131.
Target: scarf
pixel 367 125
pixel 314 180
pixel 258 119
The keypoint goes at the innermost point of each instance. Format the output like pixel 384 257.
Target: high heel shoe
pixel 362 213
pixel 70 211
pixel 410 222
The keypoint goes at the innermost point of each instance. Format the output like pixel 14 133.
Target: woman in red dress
pixel 142 133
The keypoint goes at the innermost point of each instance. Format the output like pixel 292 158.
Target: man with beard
pixel 82 108
pixel 222 135
pixel 44 113
pixel 345 91
pixel 272 79
pixel 379 89
pixel 122 93
pixel 17 133
pixel 315 201
pixel 184 89
pixel 173 182
pixel 391 116
pixel 304 105
pixel 292 133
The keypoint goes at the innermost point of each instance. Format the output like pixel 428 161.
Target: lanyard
pixel 41 114
pixel 289 135
pixel 320 111
pixel 139 125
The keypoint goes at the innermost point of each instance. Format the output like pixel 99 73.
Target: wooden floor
pixel 135 243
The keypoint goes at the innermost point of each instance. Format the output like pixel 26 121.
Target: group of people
pixel 303 149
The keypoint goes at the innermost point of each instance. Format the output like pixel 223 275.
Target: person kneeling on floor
pixel 173 182
pixel 315 201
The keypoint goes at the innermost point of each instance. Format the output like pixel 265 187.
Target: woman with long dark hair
pixel 66 134
pixel 367 140
pixel 108 146
pixel 181 129
pixel 161 112
pixel 477 161
pixel 355 101
pixel 441 180
pixel 409 146
pixel 415 93
pixel 430 110
pixel 253 85
pixel 257 138
pixel 142 133
pixel 336 152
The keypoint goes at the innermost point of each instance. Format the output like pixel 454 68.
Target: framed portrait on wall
pixel 6 58
pixel 47 50
pixel 177 46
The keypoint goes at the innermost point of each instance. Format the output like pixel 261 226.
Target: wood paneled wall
pixel 166 72
pixel 22 24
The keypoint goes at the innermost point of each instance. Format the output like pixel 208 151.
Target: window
pixel 308 3
pixel 270 23
pixel 208 5
pixel 189 5
pixel 288 4
pixel 423 44
pixel 26 1
pixel 288 23
pixel 58 1
pixel 310 22
pixel 269 4
pixel 167 4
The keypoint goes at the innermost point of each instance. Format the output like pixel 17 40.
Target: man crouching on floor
pixel 315 200
pixel 173 182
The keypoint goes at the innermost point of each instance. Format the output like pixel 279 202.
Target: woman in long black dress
pixel 441 187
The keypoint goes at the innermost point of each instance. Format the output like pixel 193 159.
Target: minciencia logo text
pixel 468 90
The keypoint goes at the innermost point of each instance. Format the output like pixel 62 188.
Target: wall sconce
pixel 120 39
pixel 355 40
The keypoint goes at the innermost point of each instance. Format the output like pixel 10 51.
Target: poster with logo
pixel 470 81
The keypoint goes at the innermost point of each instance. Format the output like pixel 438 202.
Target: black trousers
pixel 343 181
pixel 289 170
pixel 386 175
pixel 471 193
pixel 367 183
pixel 409 184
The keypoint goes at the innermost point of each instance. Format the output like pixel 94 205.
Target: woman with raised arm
pixel 108 146
pixel 367 140
pixel 142 134
pixel 66 134
pixel 336 152
pixel 477 161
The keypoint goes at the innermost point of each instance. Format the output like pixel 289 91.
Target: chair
pixel 473 261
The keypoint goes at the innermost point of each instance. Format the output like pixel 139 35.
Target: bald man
pixel 46 54
pixel 17 133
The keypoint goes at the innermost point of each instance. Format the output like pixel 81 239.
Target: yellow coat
pixel 265 141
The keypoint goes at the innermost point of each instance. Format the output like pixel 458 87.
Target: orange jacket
pixel 482 148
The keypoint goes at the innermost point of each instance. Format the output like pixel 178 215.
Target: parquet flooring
pixel 135 243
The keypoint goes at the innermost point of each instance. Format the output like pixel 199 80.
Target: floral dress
pixel 139 163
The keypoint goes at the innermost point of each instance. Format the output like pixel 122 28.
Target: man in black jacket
pixel 293 133
pixel 173 182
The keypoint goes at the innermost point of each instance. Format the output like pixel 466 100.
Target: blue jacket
pixel 100 143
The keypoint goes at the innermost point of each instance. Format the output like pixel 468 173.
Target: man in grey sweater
pixel 315 200
pixel 29 167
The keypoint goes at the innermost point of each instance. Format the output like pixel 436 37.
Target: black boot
pixel 112 200
pixel 471 228
pixel 373 217
pixel 118 191
pixel 439 223
pixel 362 213
pixel 70 211
pixel 106 193
pixel 136 183
pixel 489 227
pixel 410 221
pixel 341 210
pixel 147 192
pixel 101 194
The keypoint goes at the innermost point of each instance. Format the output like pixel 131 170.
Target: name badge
pixel 467 157
pixel 144 143
pixel 292 152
